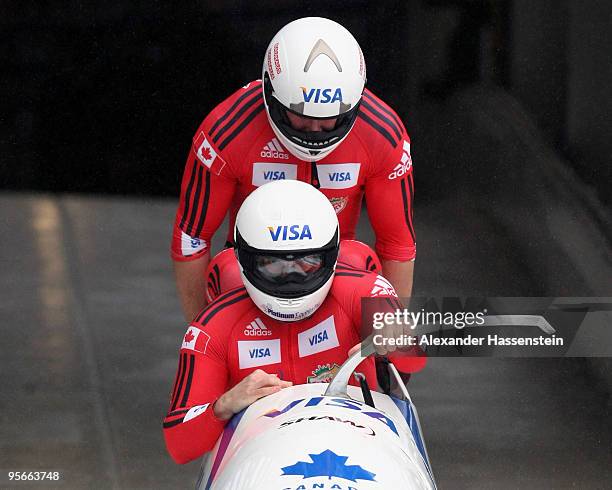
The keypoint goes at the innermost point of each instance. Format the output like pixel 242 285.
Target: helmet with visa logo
pixel 314 69
pixel 286 241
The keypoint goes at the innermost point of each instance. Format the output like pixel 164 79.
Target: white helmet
pixel 287 242
pixel 314 68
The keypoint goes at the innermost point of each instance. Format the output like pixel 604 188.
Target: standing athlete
pixel 310 118
pixel 294 321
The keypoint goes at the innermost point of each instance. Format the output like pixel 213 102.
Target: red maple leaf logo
pixel 189 336
pixel 205 152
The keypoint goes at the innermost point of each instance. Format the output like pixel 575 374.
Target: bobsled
pixel 331 436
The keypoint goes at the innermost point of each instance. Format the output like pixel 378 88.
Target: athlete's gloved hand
pixel 255 386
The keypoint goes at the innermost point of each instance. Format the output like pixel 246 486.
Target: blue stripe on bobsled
pixel 408 413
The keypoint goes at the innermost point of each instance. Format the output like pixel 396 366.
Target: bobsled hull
pixel 298 439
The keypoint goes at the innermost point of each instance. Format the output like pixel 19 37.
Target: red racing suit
pixel 235 150
pixel 231 338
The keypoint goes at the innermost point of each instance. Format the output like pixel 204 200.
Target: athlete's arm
pixel 201 406
pixel 400 274
pixel 383 300
pixel 202 400
pixel 389 195
pixel 191 427
pixel 191 284
pixel 204 202
pixel 255 386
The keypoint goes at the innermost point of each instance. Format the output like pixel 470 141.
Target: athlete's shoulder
pixel 210 331
pixel 349 281
pixel 236 118
pixel 371 99
pixel 253 87
pixel 351 285
pixel 224 311
pixel 378 122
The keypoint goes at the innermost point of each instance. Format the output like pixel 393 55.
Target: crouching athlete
pixel 294 320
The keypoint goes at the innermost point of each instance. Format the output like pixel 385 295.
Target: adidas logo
pixel 274 150
pixel 256 327
pixel 401 168
pixel 382 287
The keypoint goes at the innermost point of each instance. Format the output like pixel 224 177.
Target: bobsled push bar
pixel 338 385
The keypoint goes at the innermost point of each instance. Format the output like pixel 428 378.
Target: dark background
pixel 105 97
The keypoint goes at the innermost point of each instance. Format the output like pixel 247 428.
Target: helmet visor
pixel 281 270
pixel 288 274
